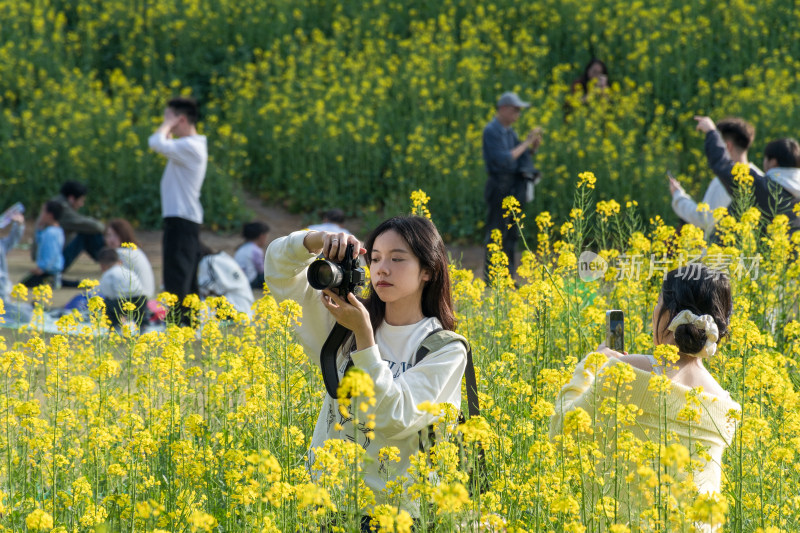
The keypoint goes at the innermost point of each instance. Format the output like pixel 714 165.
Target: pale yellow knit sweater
pixel 714 431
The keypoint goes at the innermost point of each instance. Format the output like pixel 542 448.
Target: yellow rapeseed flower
pixel 19 292
pixel 38 520
pixel 419 203
pixel 450 498
pixel 88 284
pixel 586 179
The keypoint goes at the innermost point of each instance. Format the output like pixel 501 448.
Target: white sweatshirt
pixel 183 177
pixel 686 208
pixel 399 386
pixel 136 261
pixel 715 196
pixel 119 283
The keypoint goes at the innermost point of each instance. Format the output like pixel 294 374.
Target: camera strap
pixel 327 358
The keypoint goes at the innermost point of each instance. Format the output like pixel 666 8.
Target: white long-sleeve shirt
pixel 715 196
pixel 183 176
pixel 136 261
pixel 686 208
pixel 400 386
pixel 118 283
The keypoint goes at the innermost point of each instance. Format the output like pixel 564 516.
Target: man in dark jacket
pixel 777 191
pixel 509 165
pixel 82 233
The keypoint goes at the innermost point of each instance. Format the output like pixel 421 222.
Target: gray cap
pixel 511 99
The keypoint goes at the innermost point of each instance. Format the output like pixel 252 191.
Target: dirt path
pixel 280 221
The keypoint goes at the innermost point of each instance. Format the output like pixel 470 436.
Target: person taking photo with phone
pixel 693 313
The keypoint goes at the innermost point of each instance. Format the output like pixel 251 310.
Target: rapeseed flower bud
pixel 42 294
pixel 356 384
pixel 88 284
pixel 607 209
pixel 419 204
pixel 741 175
pixel 587 180
pixel 19 292
pixel 167 300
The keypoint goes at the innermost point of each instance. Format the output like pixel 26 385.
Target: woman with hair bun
pixel 692 313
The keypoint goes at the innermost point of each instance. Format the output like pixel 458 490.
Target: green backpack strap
pixel 438 339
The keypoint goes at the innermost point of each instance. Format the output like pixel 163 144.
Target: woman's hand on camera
pixel 332 245
pixel 352 314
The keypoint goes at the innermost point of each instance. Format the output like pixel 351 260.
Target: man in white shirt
pixel 738 135
pixel 187 157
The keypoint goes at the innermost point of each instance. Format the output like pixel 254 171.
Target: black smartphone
pixel 615 330
pixel 669 175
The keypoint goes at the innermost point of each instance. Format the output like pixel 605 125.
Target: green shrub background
pixel 355 104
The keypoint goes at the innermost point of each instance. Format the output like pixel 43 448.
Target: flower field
pixel 207 428
pixel 355 104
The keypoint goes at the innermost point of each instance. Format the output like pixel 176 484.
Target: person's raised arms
pixel 705 124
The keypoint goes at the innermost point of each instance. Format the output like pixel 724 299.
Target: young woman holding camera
pixel 408 299
pixel 693 313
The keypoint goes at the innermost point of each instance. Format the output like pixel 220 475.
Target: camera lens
pixel 324 275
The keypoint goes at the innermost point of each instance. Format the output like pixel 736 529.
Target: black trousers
pixel 497 188
pixel 115 312
pixel 91 243
pixel 34 280
pixel 258 282
pixel 181 255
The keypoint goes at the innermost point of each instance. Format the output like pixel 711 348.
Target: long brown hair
pixel 124 230
pixel 427 246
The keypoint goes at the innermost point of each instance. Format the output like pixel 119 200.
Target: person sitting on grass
pixel 49 246
pixel 250 255
pixel 693 313
pixel 18 312
pixel 119 232
pixel 119 285
pixel 82 233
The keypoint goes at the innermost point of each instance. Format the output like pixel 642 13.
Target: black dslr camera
pixel 341 277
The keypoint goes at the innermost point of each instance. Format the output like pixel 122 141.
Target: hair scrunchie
pixel 705 323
